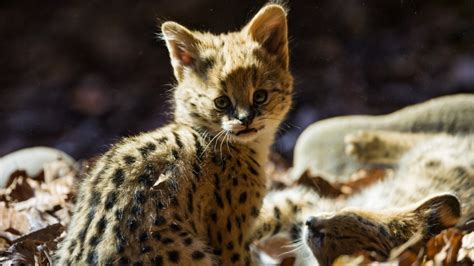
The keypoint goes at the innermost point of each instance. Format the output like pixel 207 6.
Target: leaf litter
pixel 34 212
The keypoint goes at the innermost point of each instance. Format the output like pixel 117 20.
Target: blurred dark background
pixel 78 75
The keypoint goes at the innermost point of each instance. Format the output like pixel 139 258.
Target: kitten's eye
pixel 260 96
pixel 222 102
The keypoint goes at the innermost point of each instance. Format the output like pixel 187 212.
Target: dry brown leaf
pixel 319 184
pixel 361 179
pixel 444 247
pixel 467 247
pixel 13 221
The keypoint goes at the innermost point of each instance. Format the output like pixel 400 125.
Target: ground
pixel 35 210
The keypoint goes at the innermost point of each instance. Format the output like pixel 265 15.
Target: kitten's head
pixel 236 83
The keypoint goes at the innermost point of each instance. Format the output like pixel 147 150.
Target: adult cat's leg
pixel 381 147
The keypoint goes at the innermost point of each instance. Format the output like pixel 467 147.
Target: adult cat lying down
pixel 432 189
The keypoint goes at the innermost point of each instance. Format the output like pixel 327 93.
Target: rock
pixel 30 160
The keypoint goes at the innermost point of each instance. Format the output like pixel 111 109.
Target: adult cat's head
pixel 236 84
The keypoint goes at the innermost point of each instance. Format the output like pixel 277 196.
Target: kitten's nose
pixel 245 118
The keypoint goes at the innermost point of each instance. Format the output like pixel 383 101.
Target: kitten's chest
pixel 231 181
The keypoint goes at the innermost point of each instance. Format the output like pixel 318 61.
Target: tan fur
pixel 320 148
pixel 437 171
pixel 188 193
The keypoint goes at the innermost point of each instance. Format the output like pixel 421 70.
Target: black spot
pixel 173 256
pixel 119 214
pixel 175 154
pixel 196 169
pixel 190 202
pixel 228 196
pixel 240 238
pixel 136 210
pixel 120 247
pixel 147 149
pixel 238 220
pixel 101 225
pixel 187 241
pixel 214 216
pixel 235 257
pixel 139 197
pixel 230 245
pixel 254 211
pixel 218 252
pixel 219 237
pixel 156 235
pixel 121 242
pixel 295 232
pixel 143 237
pixel 138 263
pixel 252 170
pixel 197 146
pixel 128 159
pixel 145 249
pixel 218 197
pixel 217 182
pixel 178 140
pixel 132 224
pixel 160 220
pixel 110 200
pixel 94 240
pixel 247 261
pixel 95 198
pixel 243 197
pixel 148 175
pixel 160 205
pixel 91 257
pixel 118 177
pixel 277 228
pixel 167 240
pixel 235 182
pixel 197 255
pixel 158 260
pixel 229 225
pixel 175 227
pixel 108 262
pixel 277 213
pixel 124 261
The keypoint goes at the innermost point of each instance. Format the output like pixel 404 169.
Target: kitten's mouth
pixel 247 131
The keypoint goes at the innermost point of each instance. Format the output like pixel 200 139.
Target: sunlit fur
pixel 235 65
pixel 433 183
pixel 189 192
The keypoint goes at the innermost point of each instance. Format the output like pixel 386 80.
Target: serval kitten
pixel 189 192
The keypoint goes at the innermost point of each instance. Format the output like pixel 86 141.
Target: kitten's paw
pixel 364 146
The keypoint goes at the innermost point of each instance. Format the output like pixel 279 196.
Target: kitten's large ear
pixel 182 46
pixel 439 212
pixel 269 28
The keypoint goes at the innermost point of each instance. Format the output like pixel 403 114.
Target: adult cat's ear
pixel 439 212
pixel 182 46
pixel 269 28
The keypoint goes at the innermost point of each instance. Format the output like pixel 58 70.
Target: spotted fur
pixel 432 189
pixel 188 193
